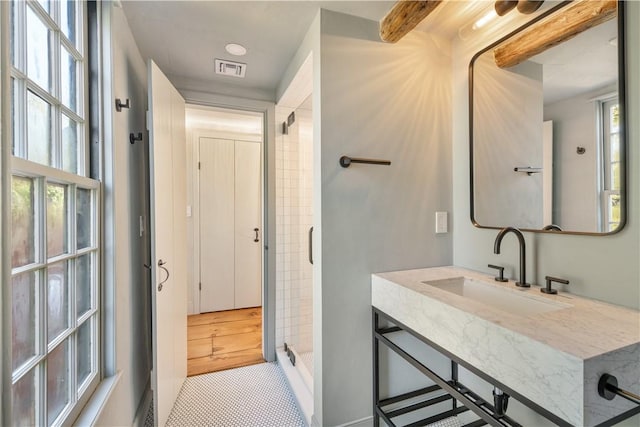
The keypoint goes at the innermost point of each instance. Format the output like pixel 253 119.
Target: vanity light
pixel 486 17
pixel 529 6
pixel 236 49
pixel 503 7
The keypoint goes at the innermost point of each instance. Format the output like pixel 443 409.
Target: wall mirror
pixel 547 129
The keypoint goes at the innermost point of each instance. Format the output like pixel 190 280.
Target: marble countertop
pixel 554 358
pixel 584 329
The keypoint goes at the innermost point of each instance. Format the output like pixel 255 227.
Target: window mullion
pixel 42 279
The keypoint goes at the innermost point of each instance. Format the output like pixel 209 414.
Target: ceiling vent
pixel 230 68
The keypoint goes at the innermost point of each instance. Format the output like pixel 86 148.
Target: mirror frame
pixel 622 88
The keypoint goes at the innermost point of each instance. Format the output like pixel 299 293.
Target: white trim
pixel 93 409
pixel 143 409
pixel 302 394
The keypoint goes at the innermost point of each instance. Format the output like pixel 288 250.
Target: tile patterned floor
pixel 252 396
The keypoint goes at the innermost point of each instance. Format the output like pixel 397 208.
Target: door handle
pixel 311 245
pixel 161 264
pixel 256 239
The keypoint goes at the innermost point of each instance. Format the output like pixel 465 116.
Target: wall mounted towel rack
pixel 608 388
pixel 345 161
pixel 528 170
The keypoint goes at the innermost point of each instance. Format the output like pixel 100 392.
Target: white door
pixel 248 233
pixel 217 275
pixel 167 153
pixel 230 224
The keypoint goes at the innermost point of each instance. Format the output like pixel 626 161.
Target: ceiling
pixel 184 38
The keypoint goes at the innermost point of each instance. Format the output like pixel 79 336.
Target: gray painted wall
pixel 126 199
pixel 604 267
pixel 387 101
pixel 507 133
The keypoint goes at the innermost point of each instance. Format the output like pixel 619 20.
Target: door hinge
pixel 198 165
pixel 147 119
pixel 200 286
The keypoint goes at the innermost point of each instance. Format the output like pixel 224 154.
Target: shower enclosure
pixel 294 221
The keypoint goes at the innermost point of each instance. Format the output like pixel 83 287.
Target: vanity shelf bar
pixel 456 390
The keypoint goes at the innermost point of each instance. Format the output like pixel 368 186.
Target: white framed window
pixel 55 254
pixel 611 164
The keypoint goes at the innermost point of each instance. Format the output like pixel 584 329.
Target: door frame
pixel 267 110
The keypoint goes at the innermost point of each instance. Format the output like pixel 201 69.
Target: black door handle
pixel 311 245
pixel 256 239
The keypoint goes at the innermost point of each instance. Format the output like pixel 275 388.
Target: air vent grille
pixel 230 68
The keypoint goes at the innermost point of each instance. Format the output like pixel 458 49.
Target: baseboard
pixel 362 422
pixel 143 409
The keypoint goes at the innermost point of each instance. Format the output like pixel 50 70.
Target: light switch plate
pixel 441 222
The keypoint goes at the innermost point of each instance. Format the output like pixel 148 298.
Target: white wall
pixel 126 252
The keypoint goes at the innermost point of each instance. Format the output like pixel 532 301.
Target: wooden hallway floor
pixel 223 340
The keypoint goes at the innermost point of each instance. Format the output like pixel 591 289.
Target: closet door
pixel 248 233
pixel 217 224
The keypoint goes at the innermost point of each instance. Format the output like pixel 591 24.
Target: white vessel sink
pixel 511 301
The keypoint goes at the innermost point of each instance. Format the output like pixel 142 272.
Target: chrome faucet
pixel 523 268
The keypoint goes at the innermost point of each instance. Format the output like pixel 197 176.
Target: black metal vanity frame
pixel 453 389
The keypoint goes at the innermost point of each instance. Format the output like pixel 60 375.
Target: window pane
pixel 615 176
pixel 83 284
pixel 38 42
pixel 14 118
pixel 57 299
pixel 57 241
pixel 85 351
pixel 69 145
pixel 13 31
pixel 23 301
pixel 614 118
pixel 22 221
pixel 83 220
pixel 69 76
pixel 38 129
pixel 614 142
pixel 57 381
pixel 68 19
pixel 24 395
pixel 614 211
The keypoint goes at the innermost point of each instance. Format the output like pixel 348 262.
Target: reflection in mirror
pixel 547 137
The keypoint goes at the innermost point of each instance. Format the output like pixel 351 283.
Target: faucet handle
pixel 500 277
pixel 549 289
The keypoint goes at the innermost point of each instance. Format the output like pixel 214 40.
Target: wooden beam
pixel 404 17
pixel 560 26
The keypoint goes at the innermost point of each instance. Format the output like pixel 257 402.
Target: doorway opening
pixel 225 206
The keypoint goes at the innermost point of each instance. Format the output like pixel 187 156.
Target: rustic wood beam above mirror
pixel 404 17
pixel 563 25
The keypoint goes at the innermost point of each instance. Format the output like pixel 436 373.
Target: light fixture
pixel 503 7
pixel 236 49
pixel 483 19
pixel 529 6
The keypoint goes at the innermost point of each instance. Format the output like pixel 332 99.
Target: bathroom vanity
pixel 546 351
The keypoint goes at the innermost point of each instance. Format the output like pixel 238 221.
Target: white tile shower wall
pixel 294 217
